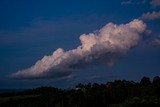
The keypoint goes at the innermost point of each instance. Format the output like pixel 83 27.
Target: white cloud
pixel 151 16
pixel 102 47
pixel 155 2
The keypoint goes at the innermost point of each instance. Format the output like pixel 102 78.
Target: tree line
pixel 119 93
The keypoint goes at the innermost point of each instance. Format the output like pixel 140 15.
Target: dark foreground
pixel 120 93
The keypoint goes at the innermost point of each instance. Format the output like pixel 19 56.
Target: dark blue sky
pixel 31 29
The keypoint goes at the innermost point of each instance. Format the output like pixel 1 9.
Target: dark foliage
pixel 120 93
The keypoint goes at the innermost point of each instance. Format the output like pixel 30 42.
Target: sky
pixel 62 43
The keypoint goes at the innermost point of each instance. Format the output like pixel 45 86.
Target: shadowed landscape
pixel 120 93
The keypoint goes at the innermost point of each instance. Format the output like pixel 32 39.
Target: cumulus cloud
pixel 101 47
pixel 150 16
pixel 155 2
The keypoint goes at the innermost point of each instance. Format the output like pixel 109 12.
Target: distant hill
pixel 11 90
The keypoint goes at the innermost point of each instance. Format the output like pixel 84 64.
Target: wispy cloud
pixel 101 47
pixel 150 16
pixel 155 42
pixel 126 2
pixel 94 77
pixel 42 30
pixel 129 2
pixel 155 2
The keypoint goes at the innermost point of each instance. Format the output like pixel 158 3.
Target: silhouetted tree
pixel 120 93
pixel 145 81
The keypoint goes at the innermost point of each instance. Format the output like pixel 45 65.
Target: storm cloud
pixel 101 47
